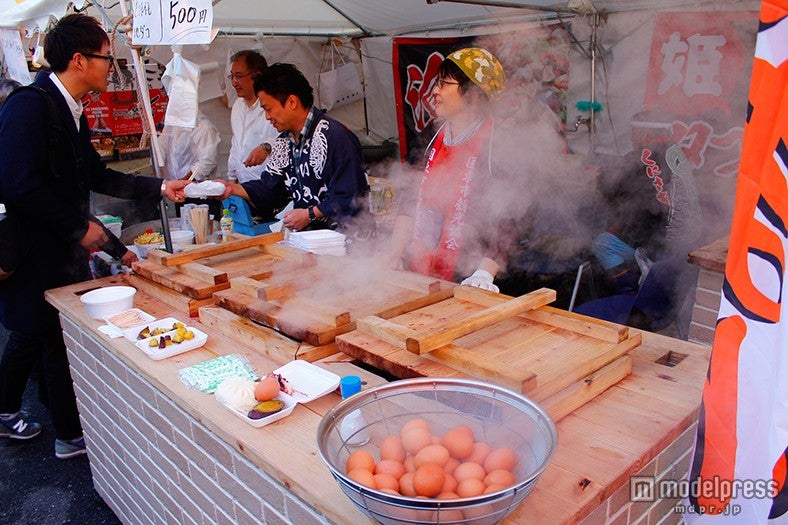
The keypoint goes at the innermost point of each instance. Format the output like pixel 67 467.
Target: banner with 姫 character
pixel 696 88
pixel 537 70
pixel 739 471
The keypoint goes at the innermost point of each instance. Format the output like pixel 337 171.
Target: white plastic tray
pixel 145 316
pixel 309 382
pixel 157 353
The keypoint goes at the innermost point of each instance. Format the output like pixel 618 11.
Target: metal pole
pixel 139 70
pixel 592 123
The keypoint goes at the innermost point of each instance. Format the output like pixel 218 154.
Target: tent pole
pixel 139 70
pixel 592 122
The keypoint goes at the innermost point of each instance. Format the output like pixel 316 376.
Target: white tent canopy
pixel 344 17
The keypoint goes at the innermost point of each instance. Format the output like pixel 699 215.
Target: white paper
pixel 14 56
pixel 209 81
pixel 172 22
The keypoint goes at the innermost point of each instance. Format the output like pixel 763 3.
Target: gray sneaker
pixel 69 449
pixel 15 427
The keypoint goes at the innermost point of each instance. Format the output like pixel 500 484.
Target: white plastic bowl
pixel 182 237
pixel 143 249
pixel 108 301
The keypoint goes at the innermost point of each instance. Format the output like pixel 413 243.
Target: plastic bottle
pixel 353 427
pixel 226 225
pixel 388 200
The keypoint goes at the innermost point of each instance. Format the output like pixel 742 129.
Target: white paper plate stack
pixel 324 242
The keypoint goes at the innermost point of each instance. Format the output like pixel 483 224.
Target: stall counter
pixel 161 452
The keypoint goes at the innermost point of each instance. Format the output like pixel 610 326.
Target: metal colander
pixel 498 416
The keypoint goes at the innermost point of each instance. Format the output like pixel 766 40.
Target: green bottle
pixel 226 225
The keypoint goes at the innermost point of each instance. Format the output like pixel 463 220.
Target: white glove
pixel 481 279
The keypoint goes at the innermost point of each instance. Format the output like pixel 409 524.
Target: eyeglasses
pixel 108 58
pixel 443 83
pixel 238 76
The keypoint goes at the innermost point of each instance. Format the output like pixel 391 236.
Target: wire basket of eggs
pixel 437 450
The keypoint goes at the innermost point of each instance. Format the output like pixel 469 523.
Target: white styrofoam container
pixel 309 382
pixel 144 316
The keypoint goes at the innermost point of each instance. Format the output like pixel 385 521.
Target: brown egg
pixel 266 389
pixel 428 480
pixel 480 451
pixel 390 491
pixel 415 439
pixel 360 459
pixel 469 470
pixel 363 477
pixel 494 488
pixel 415 423
pixel 458 442
pixel 387 481
pixel 449 484
pixel 406 485
pixel 500 459
pixel 450 465
pixel 500 477
pixel 470 487
pixel 437 454
pixel 447 495
pixel 390 467
pixel 391 448
pixel 410 463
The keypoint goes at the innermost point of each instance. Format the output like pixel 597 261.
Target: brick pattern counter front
pixel 161 452
pixel 154 463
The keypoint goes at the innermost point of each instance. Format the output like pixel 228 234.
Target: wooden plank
pixel 245 285
pixel 177 281
pixel 436 338
pixel 226 247
pixel 393 309
pixel 552 316
pixel 334 316
pixel 285 251
pixel 569 399
pixel 555 372
pixel 413 281
pixel 180 302
pixel 204 273
pixel 260 338
pixel 495 370
pixel 385 330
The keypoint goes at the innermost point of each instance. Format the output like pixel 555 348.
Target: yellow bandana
pixel 482 68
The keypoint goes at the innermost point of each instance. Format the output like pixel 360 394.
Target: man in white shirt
pixel 252 133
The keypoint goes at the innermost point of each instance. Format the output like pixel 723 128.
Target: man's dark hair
pixel 282 80
pixel 75 33
pixel 254 61
pixel 448 70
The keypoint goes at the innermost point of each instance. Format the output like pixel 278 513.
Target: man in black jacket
pixel 45 183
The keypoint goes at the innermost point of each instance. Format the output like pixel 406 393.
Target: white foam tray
pixel 157 353
pixel 145 316
pixel 309 382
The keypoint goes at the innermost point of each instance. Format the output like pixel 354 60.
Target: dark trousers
pixel 22 352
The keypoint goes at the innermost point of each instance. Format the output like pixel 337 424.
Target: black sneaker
pixel 69 449
pixel 17 428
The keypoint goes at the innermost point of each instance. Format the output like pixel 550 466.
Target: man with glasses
pixel 48 168
pixel 252 133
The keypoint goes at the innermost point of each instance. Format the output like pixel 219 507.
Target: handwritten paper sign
pixel 172 22
pixel 14 56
